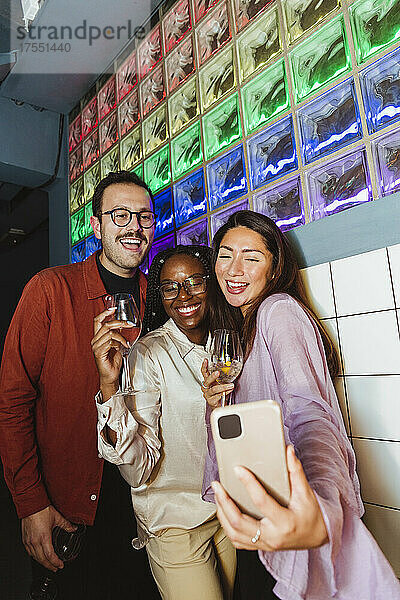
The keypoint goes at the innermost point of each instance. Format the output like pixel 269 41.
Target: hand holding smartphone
pixel 251 435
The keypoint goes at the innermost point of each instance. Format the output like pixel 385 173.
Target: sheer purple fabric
pixel 287 364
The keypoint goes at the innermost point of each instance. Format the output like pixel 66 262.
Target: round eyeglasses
pixel 193 285
pixel 121 217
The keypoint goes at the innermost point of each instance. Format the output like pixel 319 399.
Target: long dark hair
pixel 285 278
pixel 154 314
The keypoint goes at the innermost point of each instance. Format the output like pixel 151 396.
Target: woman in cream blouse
pixel 158 435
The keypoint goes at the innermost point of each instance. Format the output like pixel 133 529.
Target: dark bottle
pixel 43 588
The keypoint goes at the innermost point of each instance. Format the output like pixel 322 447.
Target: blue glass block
pixel 282 203
pixel 330 122
pixel 387 156
pixel 92 244
pixel 227 178
pixel 272 153
pixel 380 84
pixel 189 198
pixel 195 234
pixel 220 218
pixel 163 244
pixel 78 252
pixel 163 210
pixel 338 185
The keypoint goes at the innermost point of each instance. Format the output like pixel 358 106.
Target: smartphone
pixel 251 435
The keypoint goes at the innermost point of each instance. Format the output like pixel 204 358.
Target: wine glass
pixel 126 311
pixel 226 357
pixel 68 544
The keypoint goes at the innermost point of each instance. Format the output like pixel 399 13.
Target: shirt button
pixel 93 497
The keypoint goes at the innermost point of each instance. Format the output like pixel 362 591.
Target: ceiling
pixel 55 80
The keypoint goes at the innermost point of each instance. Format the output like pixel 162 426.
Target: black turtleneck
pixel 115 284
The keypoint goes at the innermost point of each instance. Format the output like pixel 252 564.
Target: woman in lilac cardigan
pixel 317 548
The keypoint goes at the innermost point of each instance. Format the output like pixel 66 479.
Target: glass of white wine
pixel 226 357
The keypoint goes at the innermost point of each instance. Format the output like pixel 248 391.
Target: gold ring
pixel 255 539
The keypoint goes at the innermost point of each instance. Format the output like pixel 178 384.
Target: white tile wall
pixel 370 343
pixel 366 288
pixel 394 260
pixel 362 283
pixel 378 462
pixel 374 405
pixel 318 283
pixel 331 327
pixel 384 524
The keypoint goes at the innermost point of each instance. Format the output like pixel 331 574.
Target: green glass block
pixel 157 172
pixel 217 78
pixel 110 162
pixel 88 214
pixel 320 58
pixel 258 44
pixel 78 226
pixel 131 149
pixel 76 198
pixel 265 97
pixel 301 15
pixel 375 26
pixel 221 126
pixel 155 130
pixel 186 151
pixel 91 179
pixel 183 106
pixel 138 170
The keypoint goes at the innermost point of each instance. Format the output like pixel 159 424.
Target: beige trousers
pixel 193 564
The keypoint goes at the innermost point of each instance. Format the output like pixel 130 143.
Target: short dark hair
pixel 110 179
pixel 155 315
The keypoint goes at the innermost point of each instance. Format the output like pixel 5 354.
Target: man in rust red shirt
pixel 48 380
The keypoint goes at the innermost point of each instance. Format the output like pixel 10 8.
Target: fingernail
pixel 112 308
pixel 239 471
pixel 230 386
pixel 130 323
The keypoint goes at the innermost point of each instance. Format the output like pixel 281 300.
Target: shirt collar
pixel 183 344
pixel 91 276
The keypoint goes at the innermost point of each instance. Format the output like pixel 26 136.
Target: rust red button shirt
pixel 48 380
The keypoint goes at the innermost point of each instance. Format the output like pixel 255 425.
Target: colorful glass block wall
pixel 289 107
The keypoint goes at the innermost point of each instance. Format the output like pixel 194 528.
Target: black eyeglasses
pixel 193 285
pixel 121 217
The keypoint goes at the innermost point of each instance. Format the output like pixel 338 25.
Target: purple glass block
pixel 282 203
pixel 149 52
pixel 387 159
pixel 91 149
pixel 195 234
pixel 92 244
pixel 126 77
pixel 75 133
pixel 272 153
pixel 180 63
pixel 89 117
pixel 152 90
pixel 107 98
pixel 220 218
pixel 75 163
pixel 338 185
pixel 380 84
pixel 163 210
pixel 176 24
pixel 189 198
pixel 163 244
pixel 128 113
pixel 78 252
pixel 330 122
pixel 213 32
pixel 226 178
pixel 108 132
